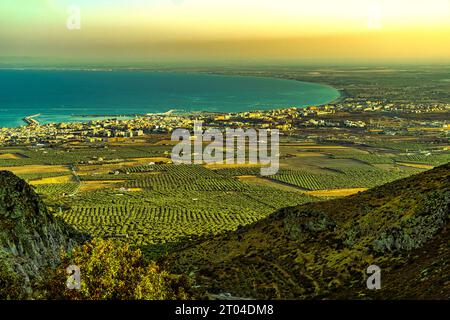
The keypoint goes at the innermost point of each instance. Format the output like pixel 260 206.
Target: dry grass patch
pixel 335 192
pixel 134 189
pixel 308 154
pixel 415 165
pixel 36 169
pixel 13 156
pixel 53 180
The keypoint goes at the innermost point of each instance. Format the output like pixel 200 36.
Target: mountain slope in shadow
pixel 322 250
pixel 31 239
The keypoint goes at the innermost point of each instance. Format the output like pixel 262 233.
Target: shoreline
pixel 342 92
pixel 29 120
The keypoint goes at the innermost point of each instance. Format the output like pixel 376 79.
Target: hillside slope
pixel 322 250
pixel 31 239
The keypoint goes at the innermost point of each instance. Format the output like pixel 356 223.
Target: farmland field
pixel 155 219
pixel 57 189
pixel 134 193
pixel 435 159
pixel 342 178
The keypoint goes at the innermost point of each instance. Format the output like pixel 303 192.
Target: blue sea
pixel 68 95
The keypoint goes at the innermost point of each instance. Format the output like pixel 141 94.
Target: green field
pixel 156 219
pixel 50 156
pixel 159 206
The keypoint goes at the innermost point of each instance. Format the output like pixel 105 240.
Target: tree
pixel 117 272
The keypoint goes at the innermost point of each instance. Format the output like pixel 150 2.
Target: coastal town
pixel 341 119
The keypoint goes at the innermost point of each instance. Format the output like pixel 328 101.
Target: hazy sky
pixel 228 30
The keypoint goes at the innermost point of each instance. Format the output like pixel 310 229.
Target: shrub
pixel 303 224
pixel 116 272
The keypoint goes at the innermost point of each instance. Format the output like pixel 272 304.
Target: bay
pixel 78 95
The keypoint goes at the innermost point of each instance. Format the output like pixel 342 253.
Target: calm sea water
pixel 65 95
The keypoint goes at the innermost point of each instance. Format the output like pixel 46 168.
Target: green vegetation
pixel 10 282
pixel 239 171
pixel 307 180
pixel 55 156
pixel 367 158
pixel 144 225
pixel 106 177
pixel 159 206
pixel 433 159
pixel 164 182
pixel 57 189
pixel 116 272
pixel 40 175
pixel 402 146
pixel 322 249
pixel 169 204
pixel 217 223
pixel 341 178
pixel 182 170
pixel 18 162
pixel 155 220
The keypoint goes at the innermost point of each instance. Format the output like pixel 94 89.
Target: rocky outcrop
pixel 31 239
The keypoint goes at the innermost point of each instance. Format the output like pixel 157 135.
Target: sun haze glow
pixel 218 30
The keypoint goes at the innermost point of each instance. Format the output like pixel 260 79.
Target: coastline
pixel 342 92
pixel 74 118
